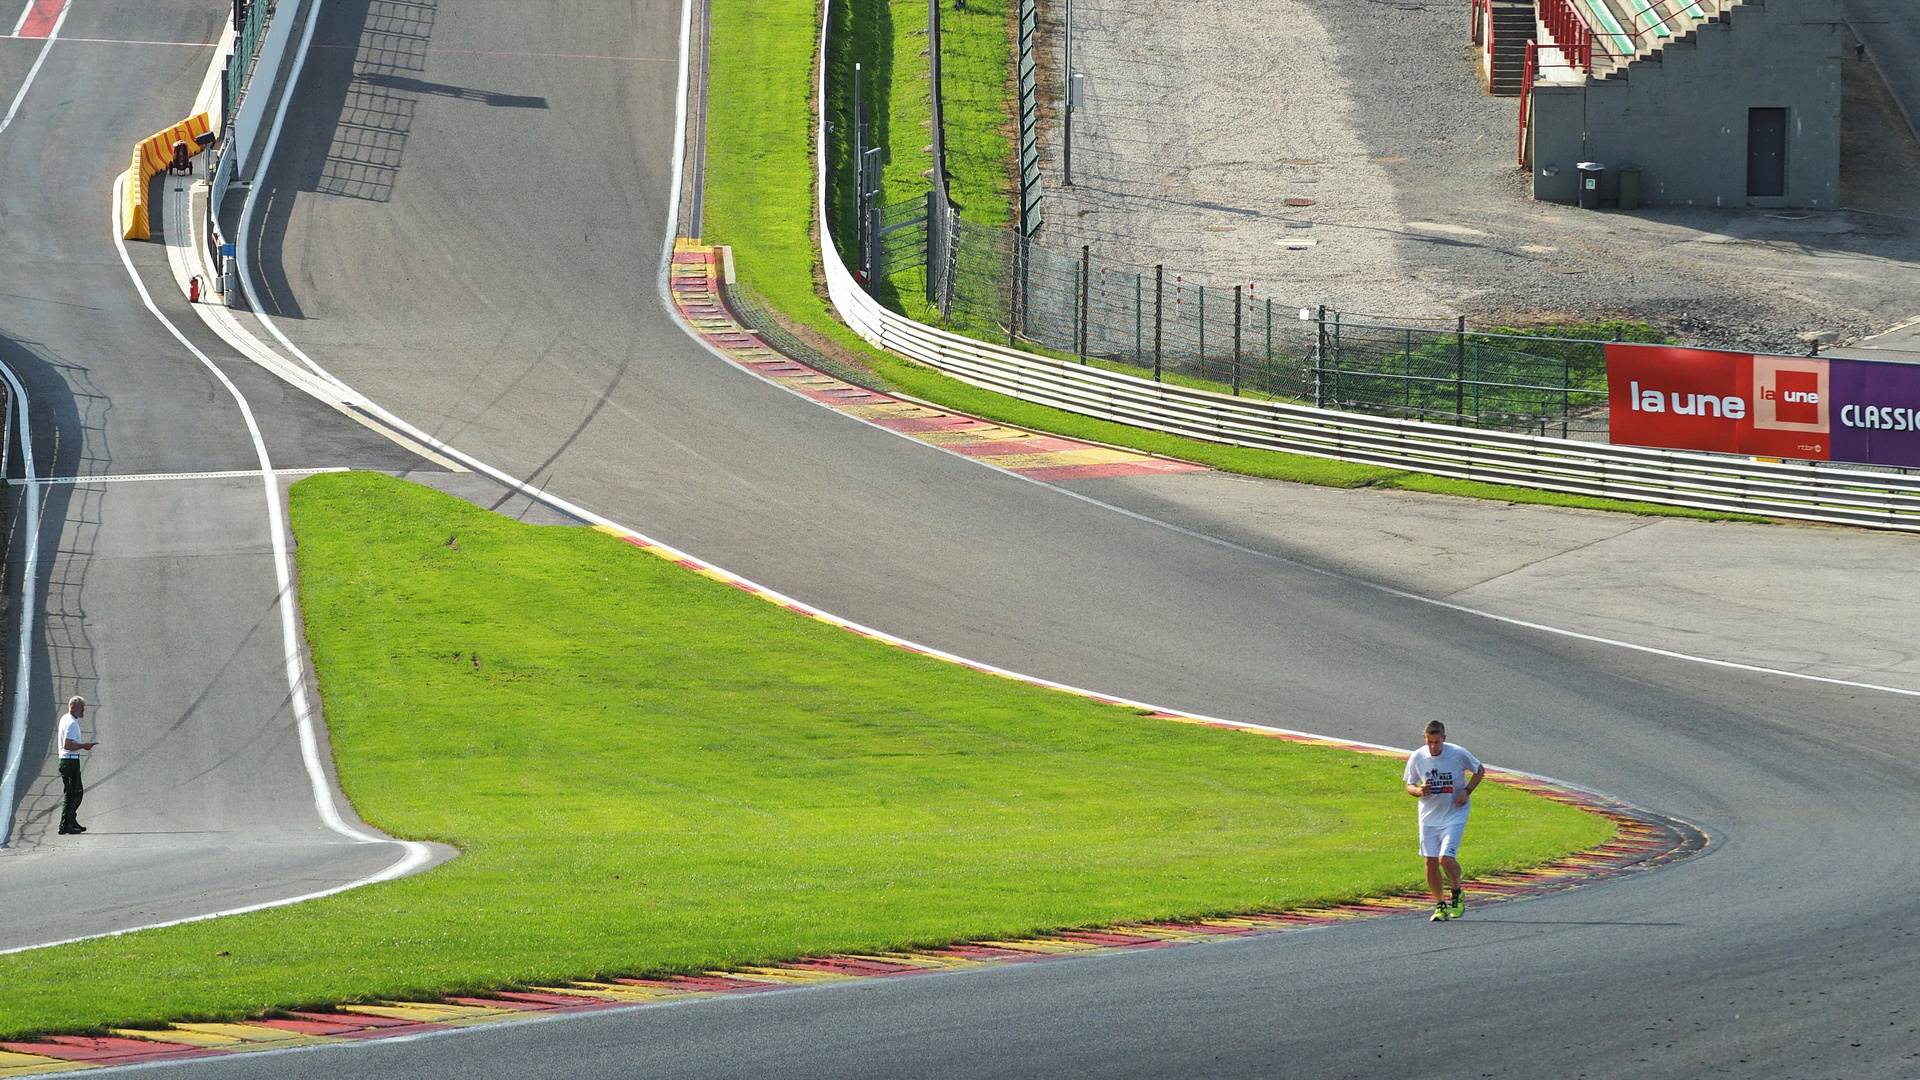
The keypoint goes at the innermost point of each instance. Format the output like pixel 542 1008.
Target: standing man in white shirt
pixel 71 743
pixel 1442 776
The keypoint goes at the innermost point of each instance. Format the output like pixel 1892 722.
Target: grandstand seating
pixel 1623 31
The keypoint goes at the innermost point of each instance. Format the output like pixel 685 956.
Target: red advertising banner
pixel 1736 403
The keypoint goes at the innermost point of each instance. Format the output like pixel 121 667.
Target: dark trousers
pixel 74 789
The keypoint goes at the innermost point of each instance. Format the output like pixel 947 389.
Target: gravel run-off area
pixel 1214 139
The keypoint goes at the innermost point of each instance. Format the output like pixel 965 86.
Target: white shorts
pixel 1442 840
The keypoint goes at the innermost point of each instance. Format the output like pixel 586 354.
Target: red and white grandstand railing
pixel 1570 24
pixel 1527 72
pixel 1570 32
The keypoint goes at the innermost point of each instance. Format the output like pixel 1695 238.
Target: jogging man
pixel 71 744
pixel 1442 776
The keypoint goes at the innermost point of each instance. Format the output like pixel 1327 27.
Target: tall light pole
pixel 1067 83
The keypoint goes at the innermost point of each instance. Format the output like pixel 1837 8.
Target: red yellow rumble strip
pixel 694 280
pixel 1644 841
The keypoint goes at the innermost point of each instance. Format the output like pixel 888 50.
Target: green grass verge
pixel 759 191
pixel 889 40
pixel 651 771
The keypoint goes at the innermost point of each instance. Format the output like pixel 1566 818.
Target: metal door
pixel 1766 153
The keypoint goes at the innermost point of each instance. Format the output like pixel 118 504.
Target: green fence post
pixel 1320 360
pixel 1236 340
pixel 1203 331
pixel 1336 358
pixel 1460 371
pixel 1566 399
pixel 1086 265
pixel 1159 301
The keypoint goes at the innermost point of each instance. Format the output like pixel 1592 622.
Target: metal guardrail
pixel 1807 491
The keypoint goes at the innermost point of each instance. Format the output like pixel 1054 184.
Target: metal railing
pixel 1801 490
pixel 1570 32
pixel 1234 338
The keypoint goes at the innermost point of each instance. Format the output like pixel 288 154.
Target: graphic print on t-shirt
pixel 1446 774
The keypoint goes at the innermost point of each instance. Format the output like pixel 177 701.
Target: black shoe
pixel 78 829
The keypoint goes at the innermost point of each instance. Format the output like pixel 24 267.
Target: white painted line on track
pixel 33 71
pixel 679 162
pixel 587 515
pixel 29 606
pixel 26 12
pixel 229 475
pixel 415 854
pixel 672 218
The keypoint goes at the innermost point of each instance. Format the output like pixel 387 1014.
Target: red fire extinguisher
pixel 193 291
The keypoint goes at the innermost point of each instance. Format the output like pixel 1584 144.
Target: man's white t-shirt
pixel 1448 771
pixel 69 729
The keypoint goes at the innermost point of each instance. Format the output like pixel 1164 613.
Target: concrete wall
pixel 1681 115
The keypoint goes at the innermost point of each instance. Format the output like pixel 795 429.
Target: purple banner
pixel 1874 411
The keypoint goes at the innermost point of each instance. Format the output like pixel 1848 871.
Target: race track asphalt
pixel 491 275
pixel 157 598
pixel 465 223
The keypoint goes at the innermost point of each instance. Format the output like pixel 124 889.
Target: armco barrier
pixel 151 155
pixel 1805 491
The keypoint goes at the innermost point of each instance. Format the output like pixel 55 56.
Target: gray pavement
pixel 522 323
pixel 157 598
pixel 1828 602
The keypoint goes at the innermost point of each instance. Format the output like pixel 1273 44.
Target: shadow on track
pixel 64 414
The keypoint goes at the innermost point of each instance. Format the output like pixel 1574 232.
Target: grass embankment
pixel 651 771
pixel 759 198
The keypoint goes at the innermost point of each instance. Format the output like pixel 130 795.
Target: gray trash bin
pixel 1590 174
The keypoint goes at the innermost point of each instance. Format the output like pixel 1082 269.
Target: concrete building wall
pixel 1681 116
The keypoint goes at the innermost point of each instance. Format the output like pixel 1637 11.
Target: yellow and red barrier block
pixel 150 156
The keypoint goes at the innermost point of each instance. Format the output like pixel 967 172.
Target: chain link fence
pixel 1175 325
pixel 920 258
pixel 250 25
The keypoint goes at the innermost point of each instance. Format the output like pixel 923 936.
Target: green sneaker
pixel 1458 908
pixel 1441 912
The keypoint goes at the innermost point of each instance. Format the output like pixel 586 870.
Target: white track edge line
pixel 295 682
pixel 674 311
pixel 33 71
pixel 587 515
pixel 234 474
pixel 665 282
pixel 29 605
pixel 416 854
pixel 673 553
